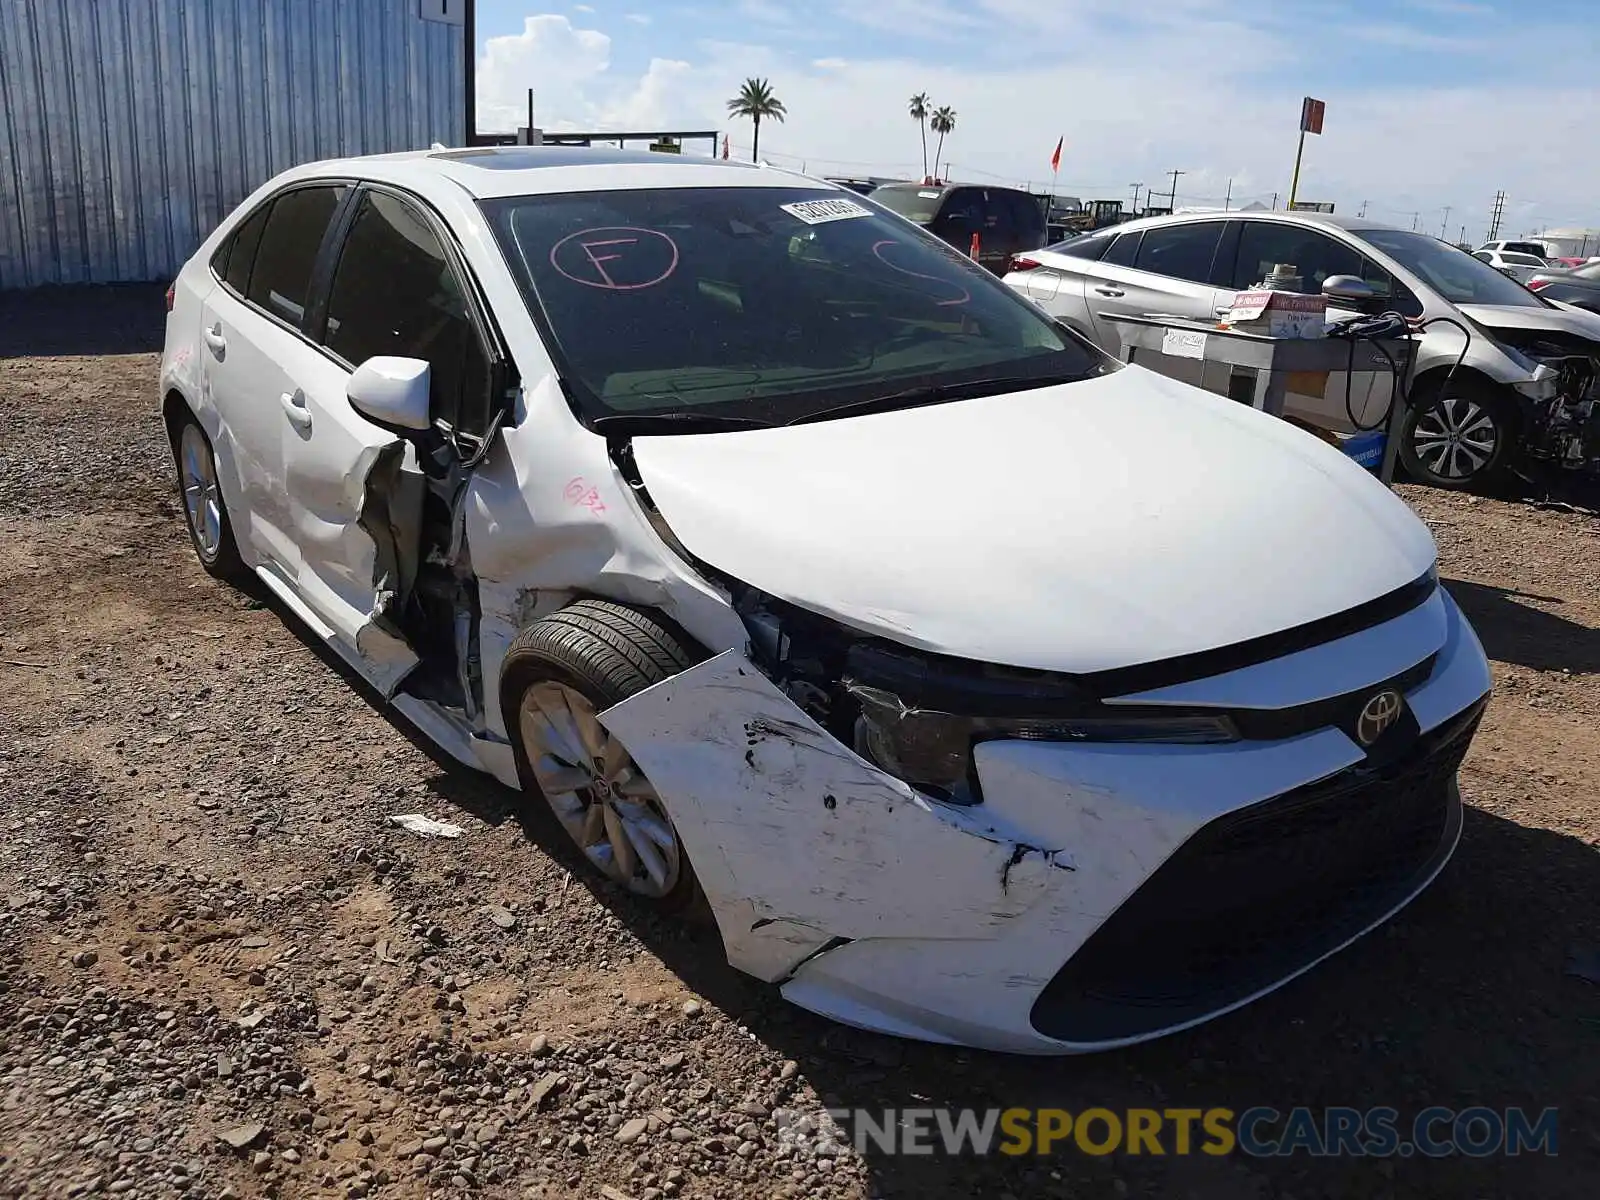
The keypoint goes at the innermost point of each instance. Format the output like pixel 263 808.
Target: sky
pixel 1431 104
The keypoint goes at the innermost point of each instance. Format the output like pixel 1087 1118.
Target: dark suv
pixel 1007 220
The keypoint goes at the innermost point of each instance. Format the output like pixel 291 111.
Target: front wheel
pixel 559 675
pixel 1456 436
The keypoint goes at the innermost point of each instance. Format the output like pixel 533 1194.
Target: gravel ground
pixel 223 974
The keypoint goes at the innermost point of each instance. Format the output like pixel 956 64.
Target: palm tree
pixel 756 101
pixel 943 122
pixel 919 114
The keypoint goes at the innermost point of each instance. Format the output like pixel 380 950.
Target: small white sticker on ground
pixel 818 212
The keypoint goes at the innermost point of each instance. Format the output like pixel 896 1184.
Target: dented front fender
pixel 799 842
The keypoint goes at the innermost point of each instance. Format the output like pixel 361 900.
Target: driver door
pixel 357 491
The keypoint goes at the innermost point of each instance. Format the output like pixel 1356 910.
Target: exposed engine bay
pixel 1564 429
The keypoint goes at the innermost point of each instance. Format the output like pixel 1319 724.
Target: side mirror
pixel 1349 288
pixel 392 393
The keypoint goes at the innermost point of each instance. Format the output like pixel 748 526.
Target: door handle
pixel 294 407
pixel 1110 291
pixel 214 339
pixel 1222 310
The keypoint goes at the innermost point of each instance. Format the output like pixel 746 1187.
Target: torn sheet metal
pixel 797 840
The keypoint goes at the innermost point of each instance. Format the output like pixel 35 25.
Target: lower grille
pixel 1260 893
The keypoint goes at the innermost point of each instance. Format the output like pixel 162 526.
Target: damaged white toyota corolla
pixel 997 694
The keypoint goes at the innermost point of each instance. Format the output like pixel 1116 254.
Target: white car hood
pixel 1512 316
pixel 1083 527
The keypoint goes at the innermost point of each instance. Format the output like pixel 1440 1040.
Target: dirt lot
pixel 205 922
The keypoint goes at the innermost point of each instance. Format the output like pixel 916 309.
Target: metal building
pixel 130 128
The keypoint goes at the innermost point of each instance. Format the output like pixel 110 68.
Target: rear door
pixel 251 338
pixel 1168 271
pixel 393 289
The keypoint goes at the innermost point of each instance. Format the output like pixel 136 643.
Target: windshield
pixel 1454 274
pixel 915 204
pixel 1523 260
pixel 765 304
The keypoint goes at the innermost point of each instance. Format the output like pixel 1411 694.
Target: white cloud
pixel 639 18
pixel 1184 90
pixel 583 8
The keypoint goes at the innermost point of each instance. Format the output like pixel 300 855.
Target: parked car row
pixel 984 689
pixel 1499 369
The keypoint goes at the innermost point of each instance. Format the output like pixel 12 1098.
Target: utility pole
pixel 1136 187
pixel 1445 224
pixel 1227 201
pixel 1172 197
pixel 1463 235
pixel 1494 218
pixel 1415 218
pixel 1363 213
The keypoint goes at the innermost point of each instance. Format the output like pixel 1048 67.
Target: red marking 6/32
pixel 580 494
pixel 615 258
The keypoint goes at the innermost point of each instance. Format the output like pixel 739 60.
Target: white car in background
pixel 1521 267
pixel 1499 375
pixel 986 691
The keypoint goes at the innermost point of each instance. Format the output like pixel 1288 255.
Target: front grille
pixel 1260 893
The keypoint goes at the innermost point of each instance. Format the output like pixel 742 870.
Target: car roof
pixel 942 188
pixel 1325 220
pixel 488 172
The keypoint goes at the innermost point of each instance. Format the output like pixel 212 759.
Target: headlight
pixel 932 750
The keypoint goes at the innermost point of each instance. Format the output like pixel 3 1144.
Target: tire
pixel 205 512
pixel 580 661
pixel 1458 437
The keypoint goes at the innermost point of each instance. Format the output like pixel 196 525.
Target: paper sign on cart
pixel 1183 343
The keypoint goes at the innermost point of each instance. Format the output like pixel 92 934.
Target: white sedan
pixel 1521 267
pixel 985 691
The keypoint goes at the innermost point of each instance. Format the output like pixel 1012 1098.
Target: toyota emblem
pixel 1377 715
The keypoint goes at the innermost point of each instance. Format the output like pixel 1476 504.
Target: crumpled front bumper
pixel 881 908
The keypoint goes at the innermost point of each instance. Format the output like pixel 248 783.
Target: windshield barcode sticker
pixel 818 212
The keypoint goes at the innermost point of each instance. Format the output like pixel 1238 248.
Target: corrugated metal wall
pixel 130 128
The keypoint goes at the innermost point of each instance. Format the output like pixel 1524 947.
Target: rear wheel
pixel 1457 436
pixel 559 675
pixel 205 513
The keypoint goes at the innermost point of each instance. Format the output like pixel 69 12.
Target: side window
pixel 1390 292
pixel 396 292
pixel 1027 214
pixel 1122 252
pixel 1314 256
pixel 1180 251
pixel 1086 245
pixel 238 254
pixel 963 212
pixel 998 218
pixel 1484 256
pixel 280 281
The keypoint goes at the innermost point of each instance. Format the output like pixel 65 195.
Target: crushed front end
pixel 1044 864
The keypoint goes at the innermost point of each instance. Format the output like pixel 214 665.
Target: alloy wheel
pixel 600 797
pixel 202 499
pixel 1455 438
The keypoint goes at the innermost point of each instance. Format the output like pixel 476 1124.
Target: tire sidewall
pixel 226 563
pixel 535 667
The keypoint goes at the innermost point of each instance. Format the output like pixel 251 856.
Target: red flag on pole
pixel 1055 159
pixel 724 145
